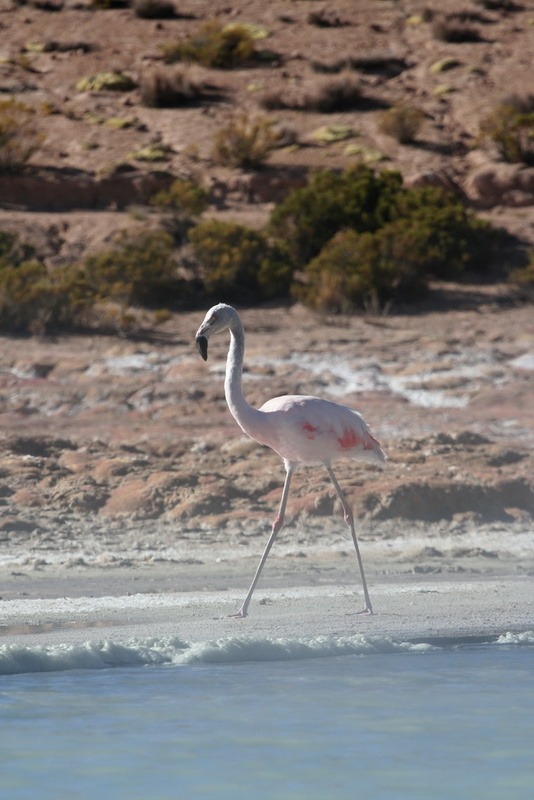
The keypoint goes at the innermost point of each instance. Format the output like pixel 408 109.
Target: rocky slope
pixel 90 157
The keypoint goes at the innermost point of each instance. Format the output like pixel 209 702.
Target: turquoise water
pixel 448 722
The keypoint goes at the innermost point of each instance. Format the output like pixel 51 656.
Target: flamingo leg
pixel 277 525
pixel 349 519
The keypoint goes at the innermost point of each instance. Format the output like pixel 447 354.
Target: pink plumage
pixel 302 429
pixel 310 430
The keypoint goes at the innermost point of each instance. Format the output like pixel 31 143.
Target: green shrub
pixel 510 127
pixel 19 136
pixel 402 122
pixel 139 270
pixel 182 195
pixel 239 263
pixel 523 277
pixel 358 270
pixel 245 142
pixel 213 45
pixel 430 235
pixel 452 239
pixel 36 299
pixel 12 251
pixel 310 216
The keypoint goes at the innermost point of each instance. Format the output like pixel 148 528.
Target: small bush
pixel 19 136
pixel 402 122
pixel 452 239
pixel 523 277
pixel 245 142
pixel 153 9
pixel 12 251
pixel 239 263
pixel 213 45
pixel 309 216
pixel 455 30
pixel 358 270
pixel 183 196
pixel 36 299
pixel 139 270
pixel 173 88
pixel 430 235
pixel 510 127
pixel 335 94
pixel 342 93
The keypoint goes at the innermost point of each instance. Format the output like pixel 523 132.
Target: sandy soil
pixel 433 610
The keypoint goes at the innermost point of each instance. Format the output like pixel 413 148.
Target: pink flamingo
pixel 302 429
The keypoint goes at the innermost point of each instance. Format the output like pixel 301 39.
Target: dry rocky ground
pixel 119 452
pixel 115 451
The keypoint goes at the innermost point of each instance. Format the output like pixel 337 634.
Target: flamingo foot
pixel 368 611
pixel 240 614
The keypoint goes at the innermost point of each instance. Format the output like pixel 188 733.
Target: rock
pixel 59 190
pixel 496 184
pixel 432 503
pixel 434 178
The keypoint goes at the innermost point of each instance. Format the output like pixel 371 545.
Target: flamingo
pixel 302 429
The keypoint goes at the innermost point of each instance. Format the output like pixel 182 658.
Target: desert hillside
pixel 101 147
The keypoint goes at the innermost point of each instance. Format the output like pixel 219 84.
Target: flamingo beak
pixel 202 344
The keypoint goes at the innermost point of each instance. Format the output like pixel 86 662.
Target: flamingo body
pixel 302 429
pixel 309 430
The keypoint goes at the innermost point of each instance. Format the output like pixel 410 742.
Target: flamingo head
pixel 217 319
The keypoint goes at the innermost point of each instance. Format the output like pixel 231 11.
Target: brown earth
pixel 118 451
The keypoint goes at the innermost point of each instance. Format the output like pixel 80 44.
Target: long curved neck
pixel 243 413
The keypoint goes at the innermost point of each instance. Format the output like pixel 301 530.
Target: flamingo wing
pixel 311 430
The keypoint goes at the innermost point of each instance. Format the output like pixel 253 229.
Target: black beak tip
pixel 202 344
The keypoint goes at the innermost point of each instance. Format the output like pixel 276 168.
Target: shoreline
pixel 416 608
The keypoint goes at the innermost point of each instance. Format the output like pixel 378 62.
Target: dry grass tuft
pixel 342 93
pixel 176 87
pixel 245 142
pixel 455 29
pixel 402 122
